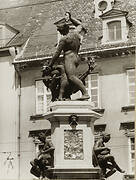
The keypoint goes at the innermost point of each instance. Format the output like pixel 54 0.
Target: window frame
pixel 124 30
pixel 44 94
pixel 130 151
pixel 114 29
pixel 98 89
pixel 128 84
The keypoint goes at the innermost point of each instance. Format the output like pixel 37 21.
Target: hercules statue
pixel 62 79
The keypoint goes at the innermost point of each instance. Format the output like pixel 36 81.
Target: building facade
pixel 110 40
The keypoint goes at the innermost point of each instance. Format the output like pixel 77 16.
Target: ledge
pixel 128 177
pixel 41 116
pixel 36 117
pixel 127 125
pixel 99 110
pixel 80 174
pixel 129 128
pixel 35 133
pixel 99 127
pixel 127 108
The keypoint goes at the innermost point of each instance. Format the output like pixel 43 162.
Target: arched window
pixel 114 30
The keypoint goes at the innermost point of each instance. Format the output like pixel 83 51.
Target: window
pixel 115 26
pixel 43 97
pixel 93 88
pixel 114 29
pixel 132 154
pixel 131 86
pixel 102 6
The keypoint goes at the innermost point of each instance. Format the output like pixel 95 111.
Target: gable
pixel 113 13
pixel 7 33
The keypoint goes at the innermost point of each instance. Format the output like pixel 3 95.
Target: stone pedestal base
pixel 77 174
pixel 73 139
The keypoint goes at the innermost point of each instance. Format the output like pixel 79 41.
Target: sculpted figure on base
pixel 103 157
pixel 44 161
pixel 70 44
pixel 56 80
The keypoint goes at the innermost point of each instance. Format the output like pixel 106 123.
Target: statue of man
pixel 105 160
pixel 45 158
pixel 70 44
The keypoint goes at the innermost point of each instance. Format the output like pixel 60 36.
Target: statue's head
pixel 63 28
pixel 106 137
pixel 46 70
pixel 41 136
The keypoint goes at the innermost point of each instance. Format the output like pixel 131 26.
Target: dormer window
pixel 6 34
pixel 114 30
pixel 115 26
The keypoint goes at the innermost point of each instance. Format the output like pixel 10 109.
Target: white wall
pixel 8 119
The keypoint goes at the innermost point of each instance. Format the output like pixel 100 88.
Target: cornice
pixel 27 63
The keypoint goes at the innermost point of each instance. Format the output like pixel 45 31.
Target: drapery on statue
pixel 69 44
pixel 103 158
pixel 45 159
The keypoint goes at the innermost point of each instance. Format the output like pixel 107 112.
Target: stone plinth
pixel 77 174
pixel 73 142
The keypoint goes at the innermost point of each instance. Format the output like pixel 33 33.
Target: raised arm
pixel 73 20
pixel 98 147
pixel 76 22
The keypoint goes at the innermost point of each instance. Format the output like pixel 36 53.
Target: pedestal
pixel 73 139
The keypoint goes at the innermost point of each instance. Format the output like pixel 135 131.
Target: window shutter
pixel 131 86
pixel 114 28
pixel 132 154
pixel 93 88
pixel 43 98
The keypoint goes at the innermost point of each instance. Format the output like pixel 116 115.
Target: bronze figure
pixel 70 44
pixel 45 159
pixel 56 80
pixel 103 157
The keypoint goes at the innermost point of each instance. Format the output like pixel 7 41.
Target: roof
pixel 37 28
pixel 113 13
pixel 9 27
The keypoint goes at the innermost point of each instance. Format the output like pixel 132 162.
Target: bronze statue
pixel 70 44
pixel 45 159
pixel 56 80
pixel 103 158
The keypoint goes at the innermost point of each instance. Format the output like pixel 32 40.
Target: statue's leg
pixel 114 164
pixel 63 85
pixel 52 159
pixel 103 172
pixel 102 164
pixel 53 88
pixel 118 168
pixel 70 67
pixel 111 172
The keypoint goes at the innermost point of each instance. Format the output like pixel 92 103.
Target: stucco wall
pixel 8 118
pixel 28 93
pixel 113 90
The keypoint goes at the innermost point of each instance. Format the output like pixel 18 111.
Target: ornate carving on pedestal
pixel 73 120
pixel 73 145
